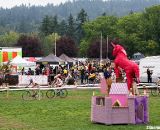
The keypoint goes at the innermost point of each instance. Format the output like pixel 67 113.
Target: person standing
pixel 22 71
pixel 107 75
pixel 82 72
pixel 149 75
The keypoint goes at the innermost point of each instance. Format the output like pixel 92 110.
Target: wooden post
pixel 39 93
pixel 7 90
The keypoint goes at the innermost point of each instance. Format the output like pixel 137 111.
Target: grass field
pixel 71 113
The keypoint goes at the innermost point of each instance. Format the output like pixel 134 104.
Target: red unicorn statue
pixel 121 61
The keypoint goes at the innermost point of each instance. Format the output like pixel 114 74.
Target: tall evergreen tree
pixel 54 24
pixel 62 28
pixel 45 27
pixel 82 17
pixel 71 27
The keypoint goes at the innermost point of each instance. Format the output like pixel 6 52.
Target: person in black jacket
pixel 149 75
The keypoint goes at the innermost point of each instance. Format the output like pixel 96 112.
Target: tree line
pixel 137 32
pixel 27 18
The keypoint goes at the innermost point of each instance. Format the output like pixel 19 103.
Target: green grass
pixel 71 113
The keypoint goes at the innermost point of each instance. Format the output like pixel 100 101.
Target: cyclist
pixel 34 85
pixel 58 81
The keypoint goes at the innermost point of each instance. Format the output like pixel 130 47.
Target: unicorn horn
pixel 112 44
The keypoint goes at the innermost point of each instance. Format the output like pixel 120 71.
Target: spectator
pixel 89 68
pixel 86 76
pixel 107 75
pixel 22 71
pixel 29 71
pixel 82 72
pixel 149 75
pixel 37 70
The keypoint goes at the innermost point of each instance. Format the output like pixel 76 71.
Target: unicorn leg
pixel 129 81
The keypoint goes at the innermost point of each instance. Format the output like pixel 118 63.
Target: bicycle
pixel 57 83
pixel 33 94
pixel 155 91
pixel 62 93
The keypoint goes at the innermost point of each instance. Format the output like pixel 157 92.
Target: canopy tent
pixel 138 56
pixel 51 59
pixel 19 61
pixel 66 58
pixel 32 59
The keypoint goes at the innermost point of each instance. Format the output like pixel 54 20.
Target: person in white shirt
pixel 58 81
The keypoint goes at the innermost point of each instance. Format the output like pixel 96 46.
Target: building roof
pixel 66 58
pixel 119 88
pixel 51 58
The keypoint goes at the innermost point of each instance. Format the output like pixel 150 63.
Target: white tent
pixel 153 63
pixel 19 61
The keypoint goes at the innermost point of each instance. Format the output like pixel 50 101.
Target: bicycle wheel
pixel 50 93
pixel 38 95
pixel 26 95
pixel 155 91
pixel 63 93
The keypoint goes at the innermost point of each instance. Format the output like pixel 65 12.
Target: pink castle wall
pixel 121 98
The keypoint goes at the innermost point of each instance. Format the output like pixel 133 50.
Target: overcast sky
pixel 11 3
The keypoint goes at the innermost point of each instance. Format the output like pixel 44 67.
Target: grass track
pixel 71 113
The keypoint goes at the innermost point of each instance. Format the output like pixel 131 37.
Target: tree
pixel 24 26
pixel 93 50
pixel 31 46
pixel 48 42
pixel 148 47
pixel 83 48
pixel 93 29
pixel 54 24
pixel 82 17
pixel 67 46
pixel 71 27
pixel 151 25
pixel 62 28
pixel 45 27
pixel 9 39
pixel 129 32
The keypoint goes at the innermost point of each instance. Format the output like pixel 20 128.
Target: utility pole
pixel 55 44
pixel 101 48
pixel 107 47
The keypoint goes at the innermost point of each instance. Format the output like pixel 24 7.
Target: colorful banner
pixel 9 55
pixel 5 56
pixel 14 54
pixel 20 53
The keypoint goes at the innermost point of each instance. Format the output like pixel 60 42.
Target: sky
pixel 12 3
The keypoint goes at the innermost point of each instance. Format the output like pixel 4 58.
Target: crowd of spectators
pixel 83 72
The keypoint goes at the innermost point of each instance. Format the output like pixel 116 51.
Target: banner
pixel 14 54
pixel 5 56
pixel 9 55
pixel 20 53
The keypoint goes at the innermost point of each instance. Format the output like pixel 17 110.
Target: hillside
pixel 27 18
